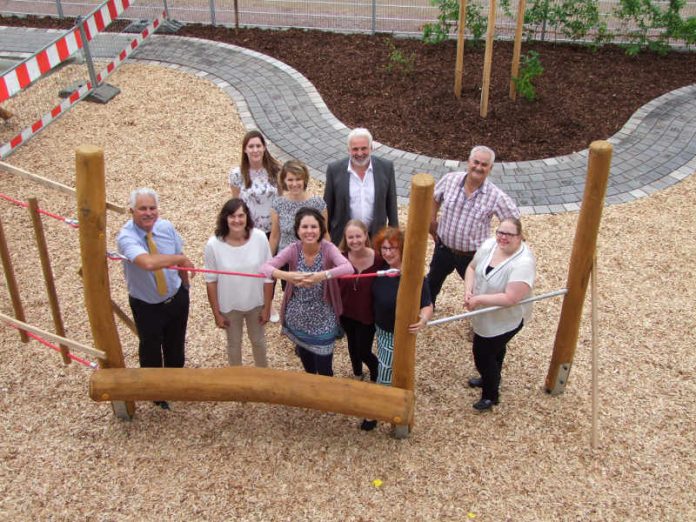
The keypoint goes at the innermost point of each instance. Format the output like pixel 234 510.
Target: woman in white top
pixel 256 179
pixel 239 247
pixel 501 274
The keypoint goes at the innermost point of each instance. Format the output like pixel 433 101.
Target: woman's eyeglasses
pixel 500 233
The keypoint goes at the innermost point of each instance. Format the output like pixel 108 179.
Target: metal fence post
pixel 166 10
pixel 212 12
pixel 59 9
pixel 374 16
pixel 87 53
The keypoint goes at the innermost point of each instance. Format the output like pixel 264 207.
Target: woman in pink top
pixel 312 301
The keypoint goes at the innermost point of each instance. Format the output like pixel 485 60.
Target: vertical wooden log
pixel 33 208
pixel 12 283
pixel 580 267
pixel 91 209
pixel 459 64
pixel 408 298
pixel 488 60
pixel 517 48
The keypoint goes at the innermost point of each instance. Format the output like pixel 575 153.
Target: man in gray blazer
pixel 360 187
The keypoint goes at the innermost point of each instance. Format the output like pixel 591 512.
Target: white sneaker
pixel 275 317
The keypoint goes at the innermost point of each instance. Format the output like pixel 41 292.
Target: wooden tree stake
pixel 517 48
pixel 459 64
pixel 488 60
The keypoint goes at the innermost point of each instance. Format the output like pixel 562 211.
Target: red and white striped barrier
pixel 79 94
pixel 23 74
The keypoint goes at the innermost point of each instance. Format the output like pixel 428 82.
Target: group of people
pixel 273 228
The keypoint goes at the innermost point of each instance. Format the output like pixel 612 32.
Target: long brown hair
pixel 271 164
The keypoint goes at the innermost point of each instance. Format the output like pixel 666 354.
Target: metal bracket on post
pixel 121 410
pixel 100 93
pixel 400 431
pixel 561 379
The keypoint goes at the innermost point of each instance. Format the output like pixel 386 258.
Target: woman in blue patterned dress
pixel 312 299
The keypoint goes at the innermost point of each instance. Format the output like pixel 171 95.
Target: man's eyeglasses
pixel 500 233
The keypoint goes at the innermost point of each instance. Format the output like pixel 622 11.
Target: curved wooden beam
pixel 250 384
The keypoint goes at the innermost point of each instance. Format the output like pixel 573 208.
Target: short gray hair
pixel 483 148
pixel 142 191
pixel 360 132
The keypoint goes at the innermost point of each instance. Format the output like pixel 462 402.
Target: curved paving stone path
pixel 655 149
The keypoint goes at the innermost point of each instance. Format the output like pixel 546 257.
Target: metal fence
pixel 366 16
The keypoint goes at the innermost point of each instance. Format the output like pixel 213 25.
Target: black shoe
pixel 368 425
pixel 484 404
pixel 476 382
pixel 163 404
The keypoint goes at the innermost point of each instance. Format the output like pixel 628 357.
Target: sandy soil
pixel 65 457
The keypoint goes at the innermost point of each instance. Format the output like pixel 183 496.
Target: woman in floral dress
pixel 312 300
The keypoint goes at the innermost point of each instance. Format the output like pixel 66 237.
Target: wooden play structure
pixel 488 55
pixel 123 386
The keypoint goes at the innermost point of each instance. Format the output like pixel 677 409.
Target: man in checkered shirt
pixel 466 203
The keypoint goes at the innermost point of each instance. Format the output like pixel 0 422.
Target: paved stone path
pixel 655 149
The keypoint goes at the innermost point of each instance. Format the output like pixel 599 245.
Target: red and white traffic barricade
pixel 31 69
pixel 80 93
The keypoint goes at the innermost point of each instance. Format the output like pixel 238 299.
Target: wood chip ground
pixel 65 457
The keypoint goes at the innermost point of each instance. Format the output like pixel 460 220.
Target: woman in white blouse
pixel 501 274
pixel 235 299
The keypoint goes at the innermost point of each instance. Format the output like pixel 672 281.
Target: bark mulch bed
pixel 582 95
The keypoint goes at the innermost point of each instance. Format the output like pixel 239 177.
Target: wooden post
pixel 48 275
pixel 488 60
pixel 459 64
pixel 91 208
pixel 12 282
pixel 517 48
pixel 580 267
pixel 408 298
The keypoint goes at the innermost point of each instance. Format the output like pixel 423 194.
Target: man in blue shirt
pixel 158 297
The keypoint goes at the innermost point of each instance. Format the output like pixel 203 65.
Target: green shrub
pixel 398 61
pixel 530 69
